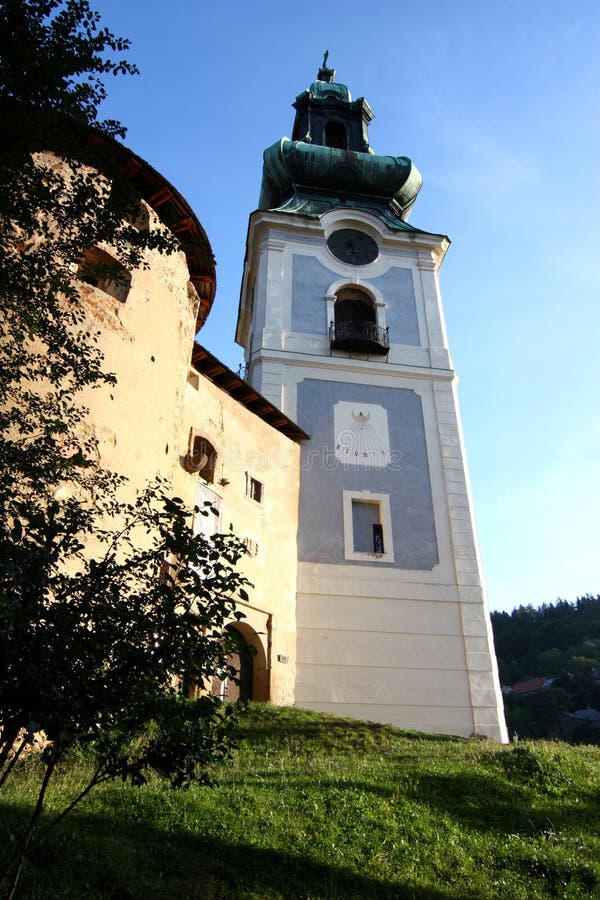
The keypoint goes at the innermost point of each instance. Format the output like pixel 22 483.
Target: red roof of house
pixel 528 687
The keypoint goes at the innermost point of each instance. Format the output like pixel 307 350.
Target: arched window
pixel 201 457
pixel 335 135
pixel 103 271
pixel 140 217
pixel 354 326
pixel 353 305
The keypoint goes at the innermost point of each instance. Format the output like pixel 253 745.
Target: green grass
pixel 313 806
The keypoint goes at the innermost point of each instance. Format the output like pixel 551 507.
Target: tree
pixel 92 644
pixel 537 715
pixel 528 640
pixel 561 641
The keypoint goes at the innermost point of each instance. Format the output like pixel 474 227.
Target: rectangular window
pixel 193 379
pixel 365 518
pixel 367 527
pixel 254 488
pixel 208 520
pixel 251 546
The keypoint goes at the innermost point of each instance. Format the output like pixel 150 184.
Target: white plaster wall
pixel 409 647
pixel 455 582
pixel 407 651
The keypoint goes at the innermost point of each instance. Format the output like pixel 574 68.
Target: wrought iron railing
pixel 357 335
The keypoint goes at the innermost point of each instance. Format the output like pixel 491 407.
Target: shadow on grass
pixel 508 808
pixel 94 856
pixel 482 803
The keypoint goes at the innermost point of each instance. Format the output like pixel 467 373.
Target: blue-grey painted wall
pixel 398 292
pixel 324 478
pixel 311 280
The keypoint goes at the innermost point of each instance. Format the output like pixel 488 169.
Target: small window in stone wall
pixel 254 488
pixel 193 379
pixel 201 457
pixel 251 546
pixel 103 271
pixel 140 216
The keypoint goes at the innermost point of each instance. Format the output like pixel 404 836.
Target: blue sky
pixel 497 105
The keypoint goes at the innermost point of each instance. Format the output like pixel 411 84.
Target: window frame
pixel 203 524
pixel 250 493
pixel 369 290
pixel 385 520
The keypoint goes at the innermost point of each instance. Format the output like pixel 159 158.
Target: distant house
pixel 532 685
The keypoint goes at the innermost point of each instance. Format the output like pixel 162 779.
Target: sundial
pixel 361 435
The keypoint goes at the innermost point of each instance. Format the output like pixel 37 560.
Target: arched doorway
pixel 248 658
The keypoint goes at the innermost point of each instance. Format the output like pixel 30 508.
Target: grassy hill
pixel 313 806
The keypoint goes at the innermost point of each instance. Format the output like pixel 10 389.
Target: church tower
pixel 342 325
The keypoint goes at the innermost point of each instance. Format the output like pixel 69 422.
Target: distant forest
pixel 561 641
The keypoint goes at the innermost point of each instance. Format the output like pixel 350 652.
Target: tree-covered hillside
pixel 560 641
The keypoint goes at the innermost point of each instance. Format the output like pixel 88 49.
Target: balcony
pixel 359 337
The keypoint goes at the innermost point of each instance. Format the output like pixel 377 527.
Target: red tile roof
pixel 528 687
pixel 217 372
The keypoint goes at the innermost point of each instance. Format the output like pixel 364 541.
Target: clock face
pixel 353 247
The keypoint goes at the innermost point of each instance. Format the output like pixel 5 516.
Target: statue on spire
pixel 326 74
